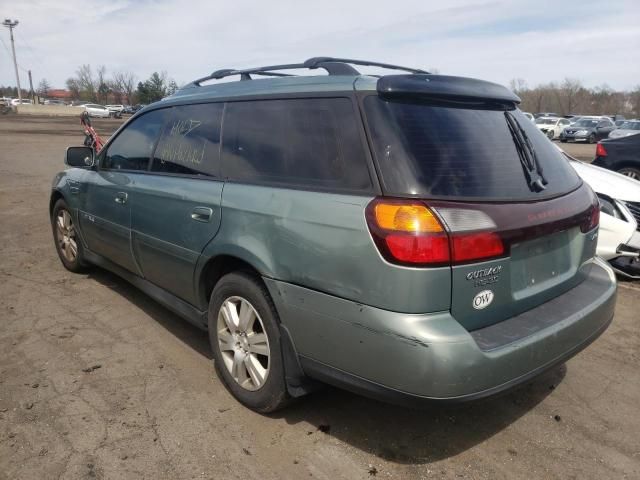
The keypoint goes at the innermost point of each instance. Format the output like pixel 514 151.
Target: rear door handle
pixel 121 197
pixel 201 214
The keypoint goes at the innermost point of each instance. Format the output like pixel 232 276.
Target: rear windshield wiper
pixel 527 154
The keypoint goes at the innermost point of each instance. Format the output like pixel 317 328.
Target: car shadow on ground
pixel 395 434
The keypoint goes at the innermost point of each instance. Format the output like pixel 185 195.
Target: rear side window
pixel 132 148
pixel 190 141
pixel 433 150
pixel 302 142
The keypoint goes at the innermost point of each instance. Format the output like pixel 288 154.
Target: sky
pixel 596 42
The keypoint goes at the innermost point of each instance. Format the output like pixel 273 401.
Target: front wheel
pixel 563 140
pixel 550 134
pixel 630 172
pixel 68 244
pixel 245 339
pixel 592 138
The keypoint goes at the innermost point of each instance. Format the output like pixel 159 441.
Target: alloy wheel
pixel 243 343
pixel 66 236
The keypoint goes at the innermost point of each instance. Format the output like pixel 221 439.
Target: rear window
pixel 301 142
pixel 440 151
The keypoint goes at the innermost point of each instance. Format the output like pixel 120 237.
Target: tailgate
pixel 548 250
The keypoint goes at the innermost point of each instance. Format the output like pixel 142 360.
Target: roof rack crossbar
pixel 316 62
pixel 333 66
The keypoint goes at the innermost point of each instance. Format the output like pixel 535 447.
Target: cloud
pixel 540 42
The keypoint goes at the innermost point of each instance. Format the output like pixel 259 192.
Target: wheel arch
pixel 55 196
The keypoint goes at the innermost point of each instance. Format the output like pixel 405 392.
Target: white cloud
pixel 540 42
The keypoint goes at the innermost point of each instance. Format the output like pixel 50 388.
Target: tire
pixel 563 140
pixel 550 134
pixel 631 172
pixel 256 380
pixel 66 239
pixel 592 138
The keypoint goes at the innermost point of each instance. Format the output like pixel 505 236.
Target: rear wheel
pixel 630 172
pixel 68 244
pixel 245 339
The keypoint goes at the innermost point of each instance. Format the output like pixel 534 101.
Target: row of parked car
pixel 93 109
pixel 585 128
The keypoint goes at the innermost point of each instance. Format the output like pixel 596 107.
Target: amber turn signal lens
pixel 406 218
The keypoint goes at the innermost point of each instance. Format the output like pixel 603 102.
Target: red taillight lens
pixel 593 220
pixel 425 249
pixel 600 150
pixel 411 233
pixel 474 246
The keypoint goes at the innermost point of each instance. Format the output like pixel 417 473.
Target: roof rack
pixel 333 66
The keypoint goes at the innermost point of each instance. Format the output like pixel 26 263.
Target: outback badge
pixel 483 299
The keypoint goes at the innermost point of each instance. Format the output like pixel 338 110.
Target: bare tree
pixel 125 84
pixel 87 83
pixel 74 88
pixel 43 88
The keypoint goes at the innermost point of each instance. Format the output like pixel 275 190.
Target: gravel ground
pixel 99 381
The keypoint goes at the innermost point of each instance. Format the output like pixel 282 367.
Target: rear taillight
pixel 411 233
pixel 600 150
pixel 593 219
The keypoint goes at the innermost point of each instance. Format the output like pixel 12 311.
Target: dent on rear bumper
pixel 430 356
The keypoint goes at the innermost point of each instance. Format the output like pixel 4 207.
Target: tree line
pixel 95 85
pixel 571 97
pixel 565 98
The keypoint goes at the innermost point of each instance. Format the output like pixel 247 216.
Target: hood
pixel 607 182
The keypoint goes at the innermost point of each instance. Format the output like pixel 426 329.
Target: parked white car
pixel 95 110
pixel 529 116
pixel 115 109
pixel 552 126
pixel 16 101
pixel 619 233
pixel 629 127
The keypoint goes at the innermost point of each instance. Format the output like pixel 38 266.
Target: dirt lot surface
pixel 99 381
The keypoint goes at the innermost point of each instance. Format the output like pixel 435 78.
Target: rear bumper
pixel 409 359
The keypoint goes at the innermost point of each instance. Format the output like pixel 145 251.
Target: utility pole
pixel 31 92
pixel 11 25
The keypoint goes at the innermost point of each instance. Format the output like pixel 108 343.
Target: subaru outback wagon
pixel 412 237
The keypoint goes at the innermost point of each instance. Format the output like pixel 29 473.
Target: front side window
pixel 190 141
pixel 132 148
pixel 303 142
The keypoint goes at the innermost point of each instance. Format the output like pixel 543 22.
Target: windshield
pixel 586 123
pixel 546 121
pixel 431 150
pixel 630 126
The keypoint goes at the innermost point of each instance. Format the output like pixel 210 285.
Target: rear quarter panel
pixel 321 241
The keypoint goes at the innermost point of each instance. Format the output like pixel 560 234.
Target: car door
pixel 105 219
pixel 176 207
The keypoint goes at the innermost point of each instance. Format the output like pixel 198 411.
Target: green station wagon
pixel 412 237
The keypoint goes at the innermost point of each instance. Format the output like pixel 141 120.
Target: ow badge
pixel 483 299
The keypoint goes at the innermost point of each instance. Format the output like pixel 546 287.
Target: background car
pixel 528 115
pixel 589 129
pixel 621 155
pixel 545 114
pixel 16 101
pixel 54 102
pixel 628 127
pixel 619 233
pixel 552 126
pixel 95 110
pixel 116 110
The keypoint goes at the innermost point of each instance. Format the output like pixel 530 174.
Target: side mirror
pixel 80 157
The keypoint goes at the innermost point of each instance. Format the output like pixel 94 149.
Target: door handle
pixel 201 214
pixel 121 198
